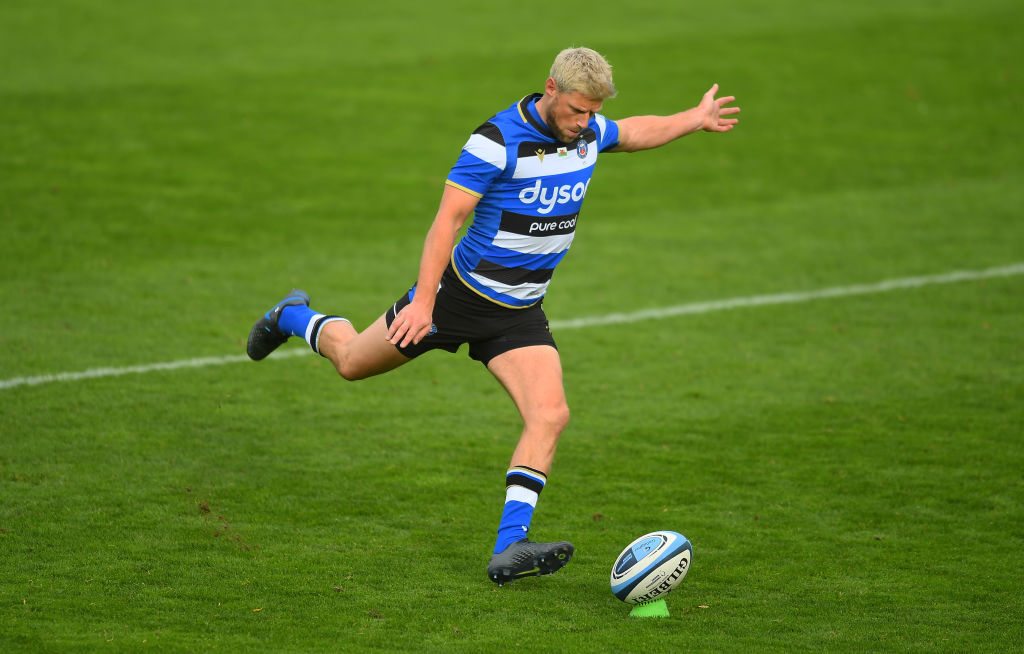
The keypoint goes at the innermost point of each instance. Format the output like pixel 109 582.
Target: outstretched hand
pixel 714 109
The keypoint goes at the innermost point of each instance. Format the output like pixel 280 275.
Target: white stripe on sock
pixel 520 494
pixel 310 325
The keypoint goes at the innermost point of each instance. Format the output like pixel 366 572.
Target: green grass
pixel 848 469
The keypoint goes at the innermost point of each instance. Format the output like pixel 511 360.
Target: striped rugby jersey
pixel 531 188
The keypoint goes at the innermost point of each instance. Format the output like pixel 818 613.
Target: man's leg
pixel 533 378
pixel 355 355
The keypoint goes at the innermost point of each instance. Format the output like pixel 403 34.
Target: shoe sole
pixel 256 347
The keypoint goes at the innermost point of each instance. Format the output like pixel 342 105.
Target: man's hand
pixel 411 324
pixel 714 109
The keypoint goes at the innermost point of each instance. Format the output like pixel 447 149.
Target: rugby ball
pixel 651 566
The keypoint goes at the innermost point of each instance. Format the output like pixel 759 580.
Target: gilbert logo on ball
pixel 651 566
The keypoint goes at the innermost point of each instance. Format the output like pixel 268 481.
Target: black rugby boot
pixel 266 336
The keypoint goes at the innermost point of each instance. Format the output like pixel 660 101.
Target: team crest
pixel 581 149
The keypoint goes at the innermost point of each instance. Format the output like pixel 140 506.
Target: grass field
pixel 848 466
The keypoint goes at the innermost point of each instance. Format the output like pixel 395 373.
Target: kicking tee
pixel 531 187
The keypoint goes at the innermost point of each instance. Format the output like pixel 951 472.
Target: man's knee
pixel 555 416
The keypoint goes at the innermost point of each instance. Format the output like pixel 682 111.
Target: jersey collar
pixel 530 115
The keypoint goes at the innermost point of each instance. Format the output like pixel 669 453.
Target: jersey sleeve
pixel 607 133
pixel 481 161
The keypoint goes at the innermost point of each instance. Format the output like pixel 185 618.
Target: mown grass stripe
pixel 693 308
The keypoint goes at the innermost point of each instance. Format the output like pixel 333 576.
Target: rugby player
pixel 522 175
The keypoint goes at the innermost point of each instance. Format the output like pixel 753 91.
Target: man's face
pixel 567 114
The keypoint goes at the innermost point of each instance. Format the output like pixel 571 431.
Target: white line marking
pixel 150 367
pixel 579 323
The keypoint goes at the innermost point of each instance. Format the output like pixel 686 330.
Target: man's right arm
pixel 646 132
pixel 413 322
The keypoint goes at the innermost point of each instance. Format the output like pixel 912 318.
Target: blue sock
pixel 522 488
pixel 294 319
pixel 299 320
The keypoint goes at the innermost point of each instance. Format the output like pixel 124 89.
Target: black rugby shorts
pixel 462 316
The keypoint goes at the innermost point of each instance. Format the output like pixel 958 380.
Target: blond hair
pixel 583 70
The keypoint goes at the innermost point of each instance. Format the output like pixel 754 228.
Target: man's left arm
pixel 646 132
